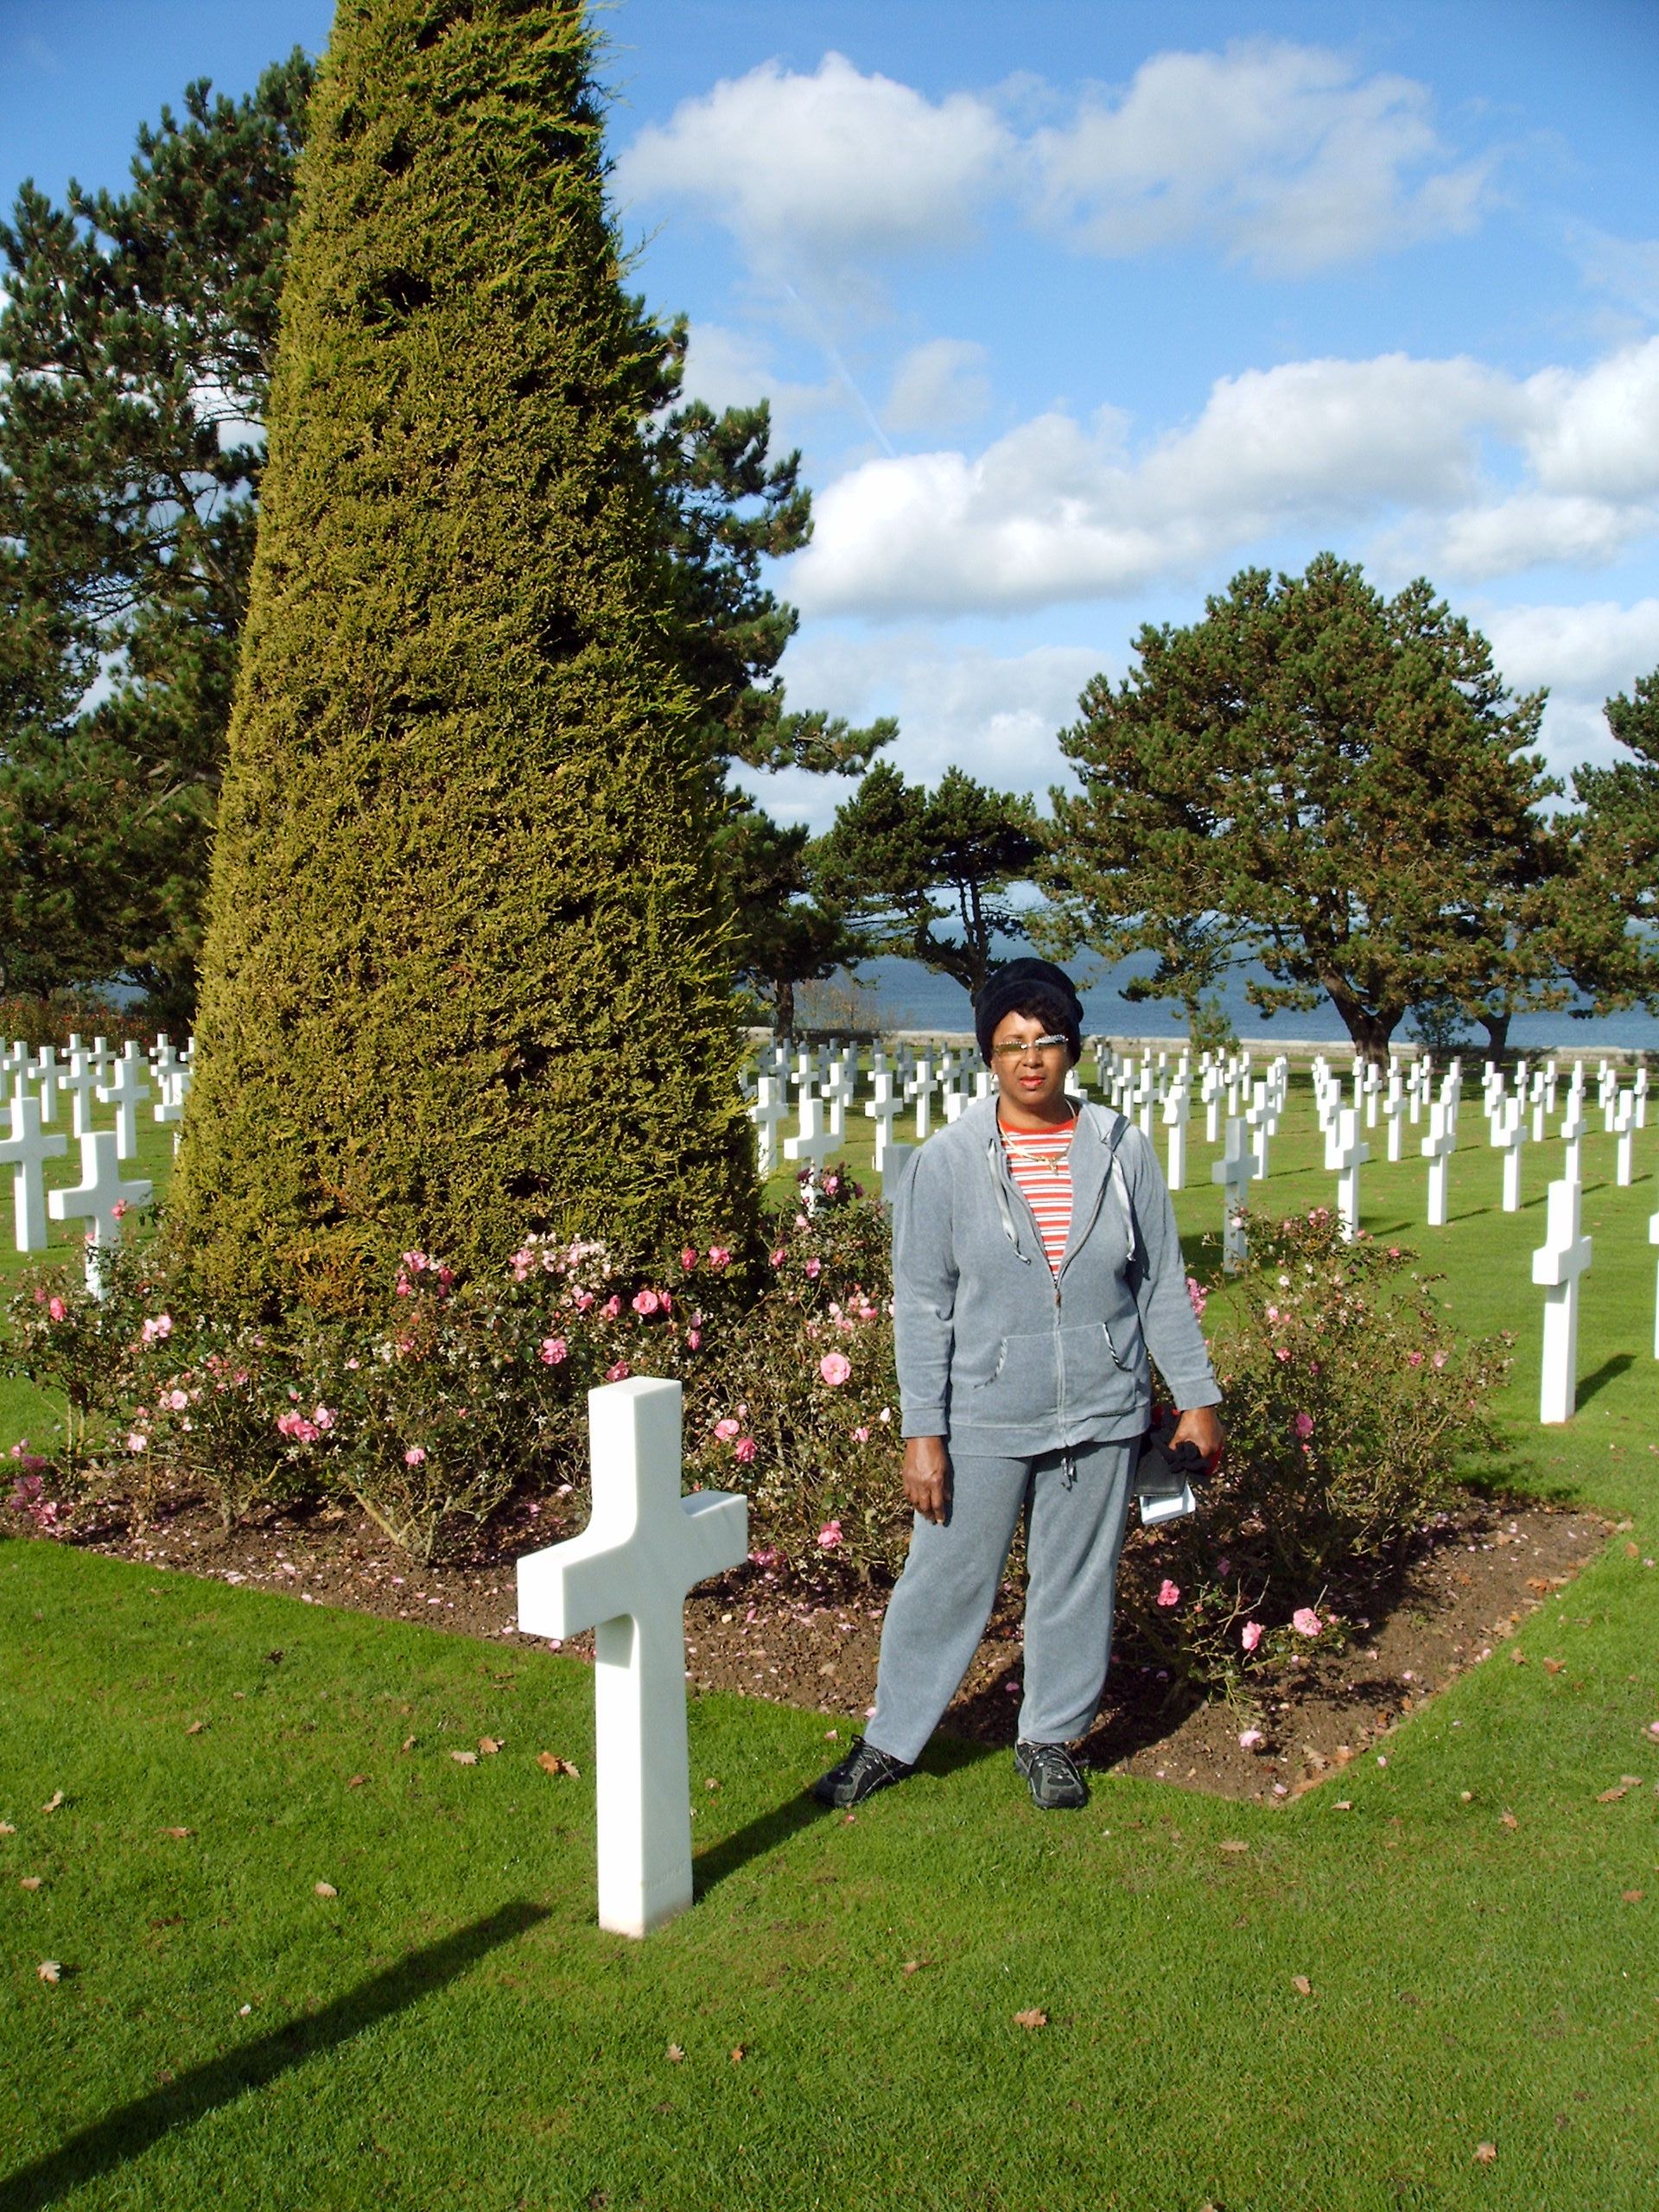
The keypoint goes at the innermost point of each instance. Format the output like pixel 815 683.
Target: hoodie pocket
pixel 1022 1388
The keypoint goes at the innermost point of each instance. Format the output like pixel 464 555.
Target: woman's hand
pixel 1201 1427
pixel 927 1476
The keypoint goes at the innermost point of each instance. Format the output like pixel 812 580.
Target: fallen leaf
pixel 488 1746
pixel 1230 1844
pixel 675 2053
pixel 1034 2018
pixel 1508 1820
pixel 830 1734
pixel 33 1882
pixel 1301 1985
pixel 196 1728
pixel 550 1763
pixel 409 1743
pixel 1607 1796
pixel 357 1780
pixel 1519 1657
pixel 465 1758
pixel 1632 1781
pixel 1630 1896
pixel 49 1970
pixel 6 1828
pixel 738 2052
pixel 52 1801
pixel 1632 1551
pixel 913 1966
pixel 177 1834
pixel 1344 1805
pixel 1553 1666
pixel 326 1890
pixel 1485 2152
pixel 1539 1583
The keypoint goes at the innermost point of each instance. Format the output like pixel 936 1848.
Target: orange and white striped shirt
pixel 1040 1162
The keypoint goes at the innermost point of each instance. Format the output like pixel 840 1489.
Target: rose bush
pixel 1349 1402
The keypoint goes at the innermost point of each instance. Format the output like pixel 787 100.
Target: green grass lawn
pixel 451 2029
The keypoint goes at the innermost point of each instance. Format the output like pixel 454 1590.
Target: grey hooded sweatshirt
pixel 995 1351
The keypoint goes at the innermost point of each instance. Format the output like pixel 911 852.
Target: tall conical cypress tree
pixel 463 976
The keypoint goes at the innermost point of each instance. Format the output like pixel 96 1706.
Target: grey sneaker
pixel 1056 1784
pixel 863 1771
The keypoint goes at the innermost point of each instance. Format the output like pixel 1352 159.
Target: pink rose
pixel 1252 1635
pixel 814 1270
pixel 1303 1424
pixel 416 1456
pixel 1281 1352
pixel 745 1449
pixel 554 1350
pixel 777 1257
pixel 176 1400
pixel 1414 1359
pixel 693 1339
pixel 1170 1594
pixel 136 1440
pixel 860 1435
pixel 646 1302
pixel 835 1368
pixel 619 1373
pixel 726 1429
pixel 1249 1737
pixel 689 1258
pixel 1198 1297
pixel 153 1331
pixel 1306 1621
pixel 612 1307
pixel 719 1255
pixel 830 1536
pixel 56 1308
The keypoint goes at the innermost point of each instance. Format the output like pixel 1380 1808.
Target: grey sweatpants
pixel 941 1603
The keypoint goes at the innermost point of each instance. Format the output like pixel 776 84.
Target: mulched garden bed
pixel 1469 1583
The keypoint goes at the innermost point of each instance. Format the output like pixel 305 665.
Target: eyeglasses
pixel 1008 1053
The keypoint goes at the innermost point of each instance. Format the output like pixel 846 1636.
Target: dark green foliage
pixel 464 979
pixel 1616 852
pixel 787 932
pixel 138 335
pixel 1329 782
pixel 907 865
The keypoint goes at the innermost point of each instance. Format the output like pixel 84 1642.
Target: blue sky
pixel 1076 309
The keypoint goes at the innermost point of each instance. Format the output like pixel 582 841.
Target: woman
pixel 1035 1263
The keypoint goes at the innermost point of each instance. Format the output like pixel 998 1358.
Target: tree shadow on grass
pixel 944 1755
pixel 127 2134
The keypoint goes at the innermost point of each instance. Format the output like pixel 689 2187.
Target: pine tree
pixel 464 976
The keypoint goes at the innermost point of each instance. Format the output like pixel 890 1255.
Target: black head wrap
pixel 1036 988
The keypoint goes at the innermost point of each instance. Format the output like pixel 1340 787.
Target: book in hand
pixel 1164 1476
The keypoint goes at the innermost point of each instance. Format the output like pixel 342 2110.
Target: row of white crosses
pixel 102 1196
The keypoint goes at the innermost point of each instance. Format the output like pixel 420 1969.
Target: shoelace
pixel 1053 1762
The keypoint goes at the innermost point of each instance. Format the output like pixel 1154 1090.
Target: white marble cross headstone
pixel 1259 1116
pixel 1211 1090
pixel 627 1577
pixel 23 1152
pixel 80 1080
pixel 1436 1149
pixel 1509 1134
pixel 1653 1238
pixel 100 1198
pixel 1346 1153
pixel 811 1142
pixel 1394 1107
pixel 46 1072
pixel 1572 1136
pixel 126 1091
pixel 1557 1266
pixel 884 1110
pixel 1624 1131
pixel 1177 1112
pixel 1233 1171
pixel 1642 1097
pixel 768 1111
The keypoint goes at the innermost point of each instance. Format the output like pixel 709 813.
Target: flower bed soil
pixel 812 1641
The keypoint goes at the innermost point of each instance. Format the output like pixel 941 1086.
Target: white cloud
pixel 1597 430
pixel 1278 152
pixel 1582 654
pixel 836 165
pixel 1280 155
pixel 1628 269
pixel 729 368
pixel 937 386
pixel 1054 511
pixel 995 716
pixel 1534 530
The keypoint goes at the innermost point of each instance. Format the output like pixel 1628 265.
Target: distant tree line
pixel 1332 788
